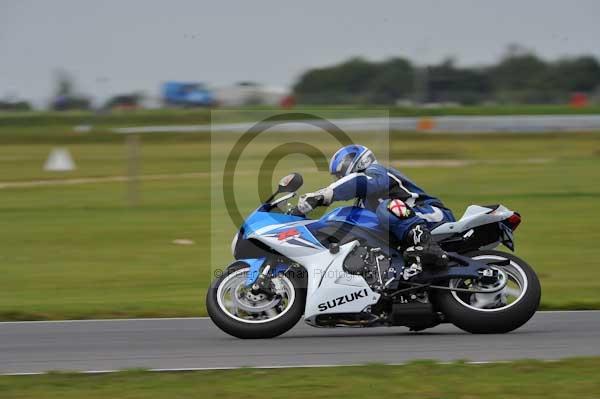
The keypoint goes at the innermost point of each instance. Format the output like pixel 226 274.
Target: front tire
pixel 494 313
pixel 264 324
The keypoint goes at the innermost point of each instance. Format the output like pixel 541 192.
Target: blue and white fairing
pixel 258 223
pixel 284 233
pixel 292 237
pixel 261 218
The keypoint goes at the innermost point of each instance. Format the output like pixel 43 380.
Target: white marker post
pixel 59 160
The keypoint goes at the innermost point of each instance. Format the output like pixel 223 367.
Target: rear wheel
pixel 236 310
pixel 496 312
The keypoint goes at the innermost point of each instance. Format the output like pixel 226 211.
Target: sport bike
pixel 344 269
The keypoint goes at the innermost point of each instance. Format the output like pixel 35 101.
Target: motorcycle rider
pixel 403 208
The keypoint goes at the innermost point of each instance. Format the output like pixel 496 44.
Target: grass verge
pixel 571 378
pixel 78 251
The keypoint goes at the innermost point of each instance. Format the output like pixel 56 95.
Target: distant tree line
pixel 519 77
pixel 14 105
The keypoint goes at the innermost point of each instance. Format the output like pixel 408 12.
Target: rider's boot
pixel 422 250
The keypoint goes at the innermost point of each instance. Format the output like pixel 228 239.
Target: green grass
pixel 572 378
pixel 78 251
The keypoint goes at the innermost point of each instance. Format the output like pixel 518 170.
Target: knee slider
pixel 399 209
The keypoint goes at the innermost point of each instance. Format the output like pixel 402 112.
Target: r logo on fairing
pixel 288 234
pixel 342 300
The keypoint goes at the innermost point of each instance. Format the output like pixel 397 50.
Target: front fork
pixel 260 274
pixel 263 283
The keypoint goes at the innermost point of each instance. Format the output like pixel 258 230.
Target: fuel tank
pixel 348 223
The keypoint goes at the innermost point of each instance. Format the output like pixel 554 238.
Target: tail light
pixel 513 221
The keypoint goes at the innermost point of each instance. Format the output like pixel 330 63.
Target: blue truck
pixel 187 94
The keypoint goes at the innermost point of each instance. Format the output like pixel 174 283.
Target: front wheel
pixel 236 310
pixel 497 312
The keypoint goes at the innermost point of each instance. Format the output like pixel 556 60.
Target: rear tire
pixel 249 330
pixel 493 321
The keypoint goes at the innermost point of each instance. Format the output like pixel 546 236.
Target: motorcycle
pixel 344 269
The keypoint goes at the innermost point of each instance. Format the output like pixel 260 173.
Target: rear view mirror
pixel 290 183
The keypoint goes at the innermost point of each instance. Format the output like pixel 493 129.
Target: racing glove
pixel 310 201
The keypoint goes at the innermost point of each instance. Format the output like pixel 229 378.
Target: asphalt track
pixel 195 343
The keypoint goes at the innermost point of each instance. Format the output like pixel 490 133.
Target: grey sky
pixel 115 46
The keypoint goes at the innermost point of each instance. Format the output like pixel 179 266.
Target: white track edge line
pixel 194 369
pixel 207 318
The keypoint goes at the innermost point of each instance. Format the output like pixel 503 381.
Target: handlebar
pixel 295 212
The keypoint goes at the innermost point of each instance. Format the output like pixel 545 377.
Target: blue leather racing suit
pixel 377 185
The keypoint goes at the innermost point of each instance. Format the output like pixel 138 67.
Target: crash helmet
pixel 349 159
